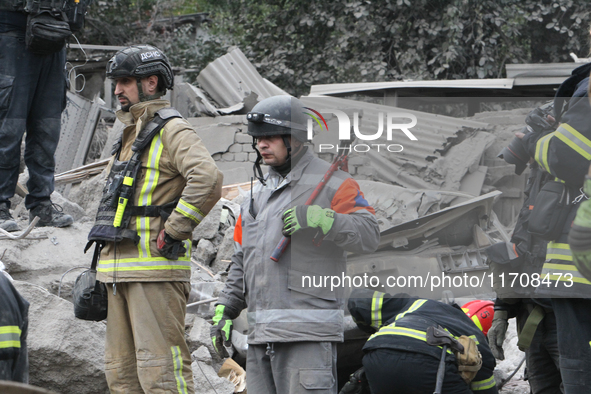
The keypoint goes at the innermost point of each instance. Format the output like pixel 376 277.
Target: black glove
pixel 169 247
pixel 357 383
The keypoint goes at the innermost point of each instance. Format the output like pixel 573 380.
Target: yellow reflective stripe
pixel 376 309
pixel 177 361
pixel 403 331
pixel 542 151
pixel 10 330
pixel 558 245
pixel 473 337
pixel 575 140
pixel 562 267
pixel 10 336
pixel 477 322
pixel 140 260
pixel 189 211
pixel 145 268
pixel 483 384
pixel 558 251
pixel 145 197
pixel 550 273
pixel 415 305
pixel 147 264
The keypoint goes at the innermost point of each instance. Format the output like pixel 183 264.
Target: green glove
pixel 307 216
pixel 579 237
pixel 497 332
pixel 221 331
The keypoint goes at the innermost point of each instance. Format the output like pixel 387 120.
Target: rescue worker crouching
pixel 293 329
pixel 397 357
pixel 162 182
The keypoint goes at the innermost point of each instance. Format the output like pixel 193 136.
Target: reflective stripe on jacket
pixel 14 309
pixel 282 306
pixel 175 165
pixel 566 154
pixel 404 326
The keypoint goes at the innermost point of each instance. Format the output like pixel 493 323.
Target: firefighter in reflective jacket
pixel 14 309
pixel 565 154
pixel 161 184
pixel 398 358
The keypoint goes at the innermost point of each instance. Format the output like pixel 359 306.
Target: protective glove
pixel 579 237
pixel 169 247
pixel 221 331
pixel 357 383
pixel 307 216
pixel 497 332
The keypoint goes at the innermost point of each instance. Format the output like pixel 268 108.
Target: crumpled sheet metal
pixel 232 77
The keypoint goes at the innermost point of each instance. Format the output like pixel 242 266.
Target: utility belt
pixel 50 22
pixel 115 210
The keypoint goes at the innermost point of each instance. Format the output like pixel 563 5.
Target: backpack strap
pixel 161 118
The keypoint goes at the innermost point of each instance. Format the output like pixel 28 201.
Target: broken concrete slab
pixel 209 226
pixel 207 380
pixel 205 251
pixel 88 193
pixel 200 336
pixel 66 354
pixel 202 355
pixel 225 250
pixel 44 261
pixel 218 133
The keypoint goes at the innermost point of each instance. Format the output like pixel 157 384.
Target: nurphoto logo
pixel 394 122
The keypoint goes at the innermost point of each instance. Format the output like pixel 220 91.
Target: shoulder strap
pixel 161 118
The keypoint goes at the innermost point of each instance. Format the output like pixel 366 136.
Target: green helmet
pixel 140 61
pixel 278 115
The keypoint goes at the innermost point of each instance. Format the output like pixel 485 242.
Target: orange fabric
pixel 515 250
pixel 349 198
pixel 238 230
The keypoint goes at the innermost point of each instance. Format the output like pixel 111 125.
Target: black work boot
pixel 50 215
pixel 7 222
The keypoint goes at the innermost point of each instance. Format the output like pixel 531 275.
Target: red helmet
pixel 481 312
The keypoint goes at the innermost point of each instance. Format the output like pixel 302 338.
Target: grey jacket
pixel 284 305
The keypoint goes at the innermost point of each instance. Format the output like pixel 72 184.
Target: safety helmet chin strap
pixel 256 168
pixel 288 146
pixel 144 97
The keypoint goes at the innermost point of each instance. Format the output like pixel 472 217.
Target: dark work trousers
pixel 573 323
pixel 292 368
pixel 32 97
pixel 542 357
pixel 392 371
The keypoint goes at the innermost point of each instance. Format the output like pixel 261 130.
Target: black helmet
pixel 140 61
pixel 278 115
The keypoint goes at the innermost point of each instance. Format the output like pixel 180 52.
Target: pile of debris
pixel 416 196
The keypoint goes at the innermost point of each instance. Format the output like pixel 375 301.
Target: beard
pixel 125 108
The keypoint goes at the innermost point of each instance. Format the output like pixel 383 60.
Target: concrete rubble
pixel 66 354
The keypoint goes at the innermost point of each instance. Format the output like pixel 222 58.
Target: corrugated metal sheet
pixel 79 120
pixel 540 70
pixel 232 77
pixel 339 88
pixel 433 133
pixel 517 75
